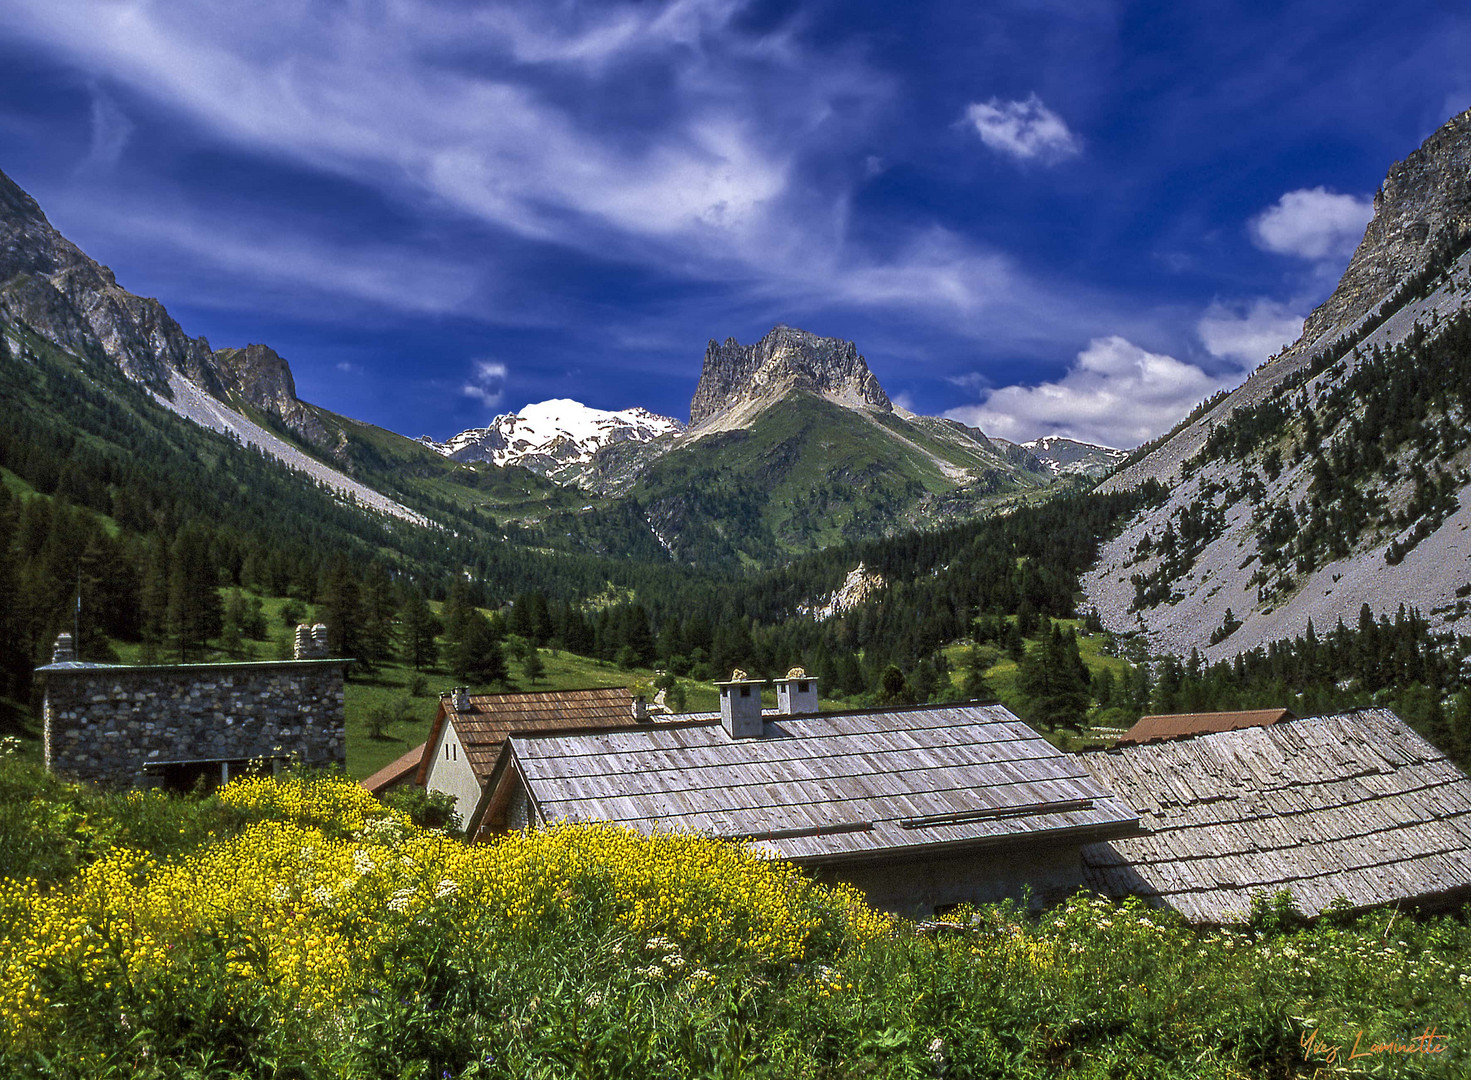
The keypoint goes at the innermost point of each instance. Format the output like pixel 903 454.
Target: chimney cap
pixel 739 678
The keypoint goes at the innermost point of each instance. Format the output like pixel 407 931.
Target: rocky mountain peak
pixel 738 381
pixel 1422 211
pixel 262 378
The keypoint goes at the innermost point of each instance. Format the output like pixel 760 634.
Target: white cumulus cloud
pixel 1313 223
pixel 1251 333
pixel 1026 130
pixel 487 382
pixel 1115 394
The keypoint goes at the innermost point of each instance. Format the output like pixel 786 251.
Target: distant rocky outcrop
pixel 859 586
pixel 263 379
pixel 1068 457
pixel 1423 210
pixel 740 381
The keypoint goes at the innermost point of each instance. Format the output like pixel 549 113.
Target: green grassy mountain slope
pixel 807 473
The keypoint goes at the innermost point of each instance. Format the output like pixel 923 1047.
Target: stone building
pixel 130 725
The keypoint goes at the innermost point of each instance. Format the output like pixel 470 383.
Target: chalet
pixel 172 725
pixel 919 807
pixel 1178 725
pixel 465 739
pixel 1356 806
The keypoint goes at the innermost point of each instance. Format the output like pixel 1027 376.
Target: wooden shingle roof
pixel 399 771
pixel 826 788
pixel 1178 725
pixel 491 717
pixel 1355 805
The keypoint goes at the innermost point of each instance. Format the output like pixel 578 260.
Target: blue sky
pixel 1070 216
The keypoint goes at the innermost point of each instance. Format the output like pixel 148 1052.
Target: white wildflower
pixel 446 887
pixel 323 896
pixel 594 999
pixel 937 1051
pixel 399 901
pixel 362 863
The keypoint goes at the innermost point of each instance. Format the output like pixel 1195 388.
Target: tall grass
pixel 297 928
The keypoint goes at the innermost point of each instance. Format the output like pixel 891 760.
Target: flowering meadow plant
pixel 295 927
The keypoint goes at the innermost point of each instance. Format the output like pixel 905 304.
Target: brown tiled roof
pixel 1178 725
pixel 400 770
pixel 491 717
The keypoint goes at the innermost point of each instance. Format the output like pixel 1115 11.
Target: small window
pixel 745 691
pixel 801 688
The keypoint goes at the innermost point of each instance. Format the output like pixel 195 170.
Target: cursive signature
pixel 1428 1041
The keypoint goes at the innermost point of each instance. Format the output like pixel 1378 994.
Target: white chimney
pixel 319 641
pixel 740 706
pixel 303 647
pixel 796 695
pixel 460 698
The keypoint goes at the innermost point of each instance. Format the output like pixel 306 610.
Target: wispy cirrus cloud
pixel 1026 130
pixel 659 135
pixel 111 130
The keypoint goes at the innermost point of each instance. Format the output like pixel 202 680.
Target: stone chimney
pixel 740 706
pixel 64 651
pixel 640 709
pixel 302 650
pixel 796 695
pixel 460 699
pixel 319 641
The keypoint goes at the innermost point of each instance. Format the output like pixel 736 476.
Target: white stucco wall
pixel 450 771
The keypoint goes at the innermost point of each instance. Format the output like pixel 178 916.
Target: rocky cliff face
pixel 1339 474
pixel 50 285
pixel 263 379
pixel 739 381
pixel 1422 214
pixel 1422 210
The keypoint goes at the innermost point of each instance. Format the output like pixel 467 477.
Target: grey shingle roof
pixel 1355 805
pixel 829 787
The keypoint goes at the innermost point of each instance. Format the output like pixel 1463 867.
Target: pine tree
pixel 378 615
pixel 1051 677
pixel 533 667
pixel 194 613
pixel 418 629
pixel 477 657
pixel 340 608
pixel 973 683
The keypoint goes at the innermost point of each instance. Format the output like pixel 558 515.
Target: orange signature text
pixel 1428 1041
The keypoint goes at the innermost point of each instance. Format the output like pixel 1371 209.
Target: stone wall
pixel 110 723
